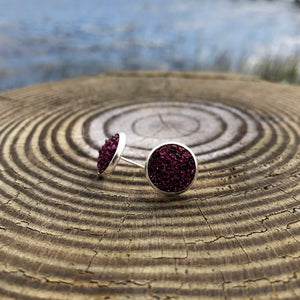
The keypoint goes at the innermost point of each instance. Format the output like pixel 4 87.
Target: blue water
pixel 43 40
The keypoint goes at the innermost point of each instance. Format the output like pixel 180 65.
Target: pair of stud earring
pixel 171 168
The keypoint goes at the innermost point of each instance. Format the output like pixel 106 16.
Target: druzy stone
pixel 171 168
pixel 107 152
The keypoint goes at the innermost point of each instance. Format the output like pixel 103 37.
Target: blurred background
pixel 43 40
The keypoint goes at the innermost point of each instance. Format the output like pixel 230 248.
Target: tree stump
pixel 65 234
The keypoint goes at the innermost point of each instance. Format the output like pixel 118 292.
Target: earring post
pixel 132 162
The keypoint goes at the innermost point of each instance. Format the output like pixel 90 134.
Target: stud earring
pixel 171 168
pixel 110 154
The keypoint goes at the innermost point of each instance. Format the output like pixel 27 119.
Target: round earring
pixel 110 154
pixel 171 168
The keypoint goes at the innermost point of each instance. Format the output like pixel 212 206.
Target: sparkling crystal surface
pixel 171 168
pixel 107 152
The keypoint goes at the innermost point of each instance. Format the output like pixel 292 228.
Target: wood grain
pixel 64 234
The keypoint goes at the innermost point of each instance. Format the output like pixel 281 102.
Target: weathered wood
pixel 64 234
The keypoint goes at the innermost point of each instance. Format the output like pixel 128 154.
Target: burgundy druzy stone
pixel 107 152
pixel 171 168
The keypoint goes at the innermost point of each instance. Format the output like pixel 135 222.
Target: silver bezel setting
pixel 117 156
pixel 147 163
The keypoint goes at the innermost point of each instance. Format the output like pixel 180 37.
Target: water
pixel 54 39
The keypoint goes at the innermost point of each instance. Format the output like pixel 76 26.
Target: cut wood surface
pixel 65 234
